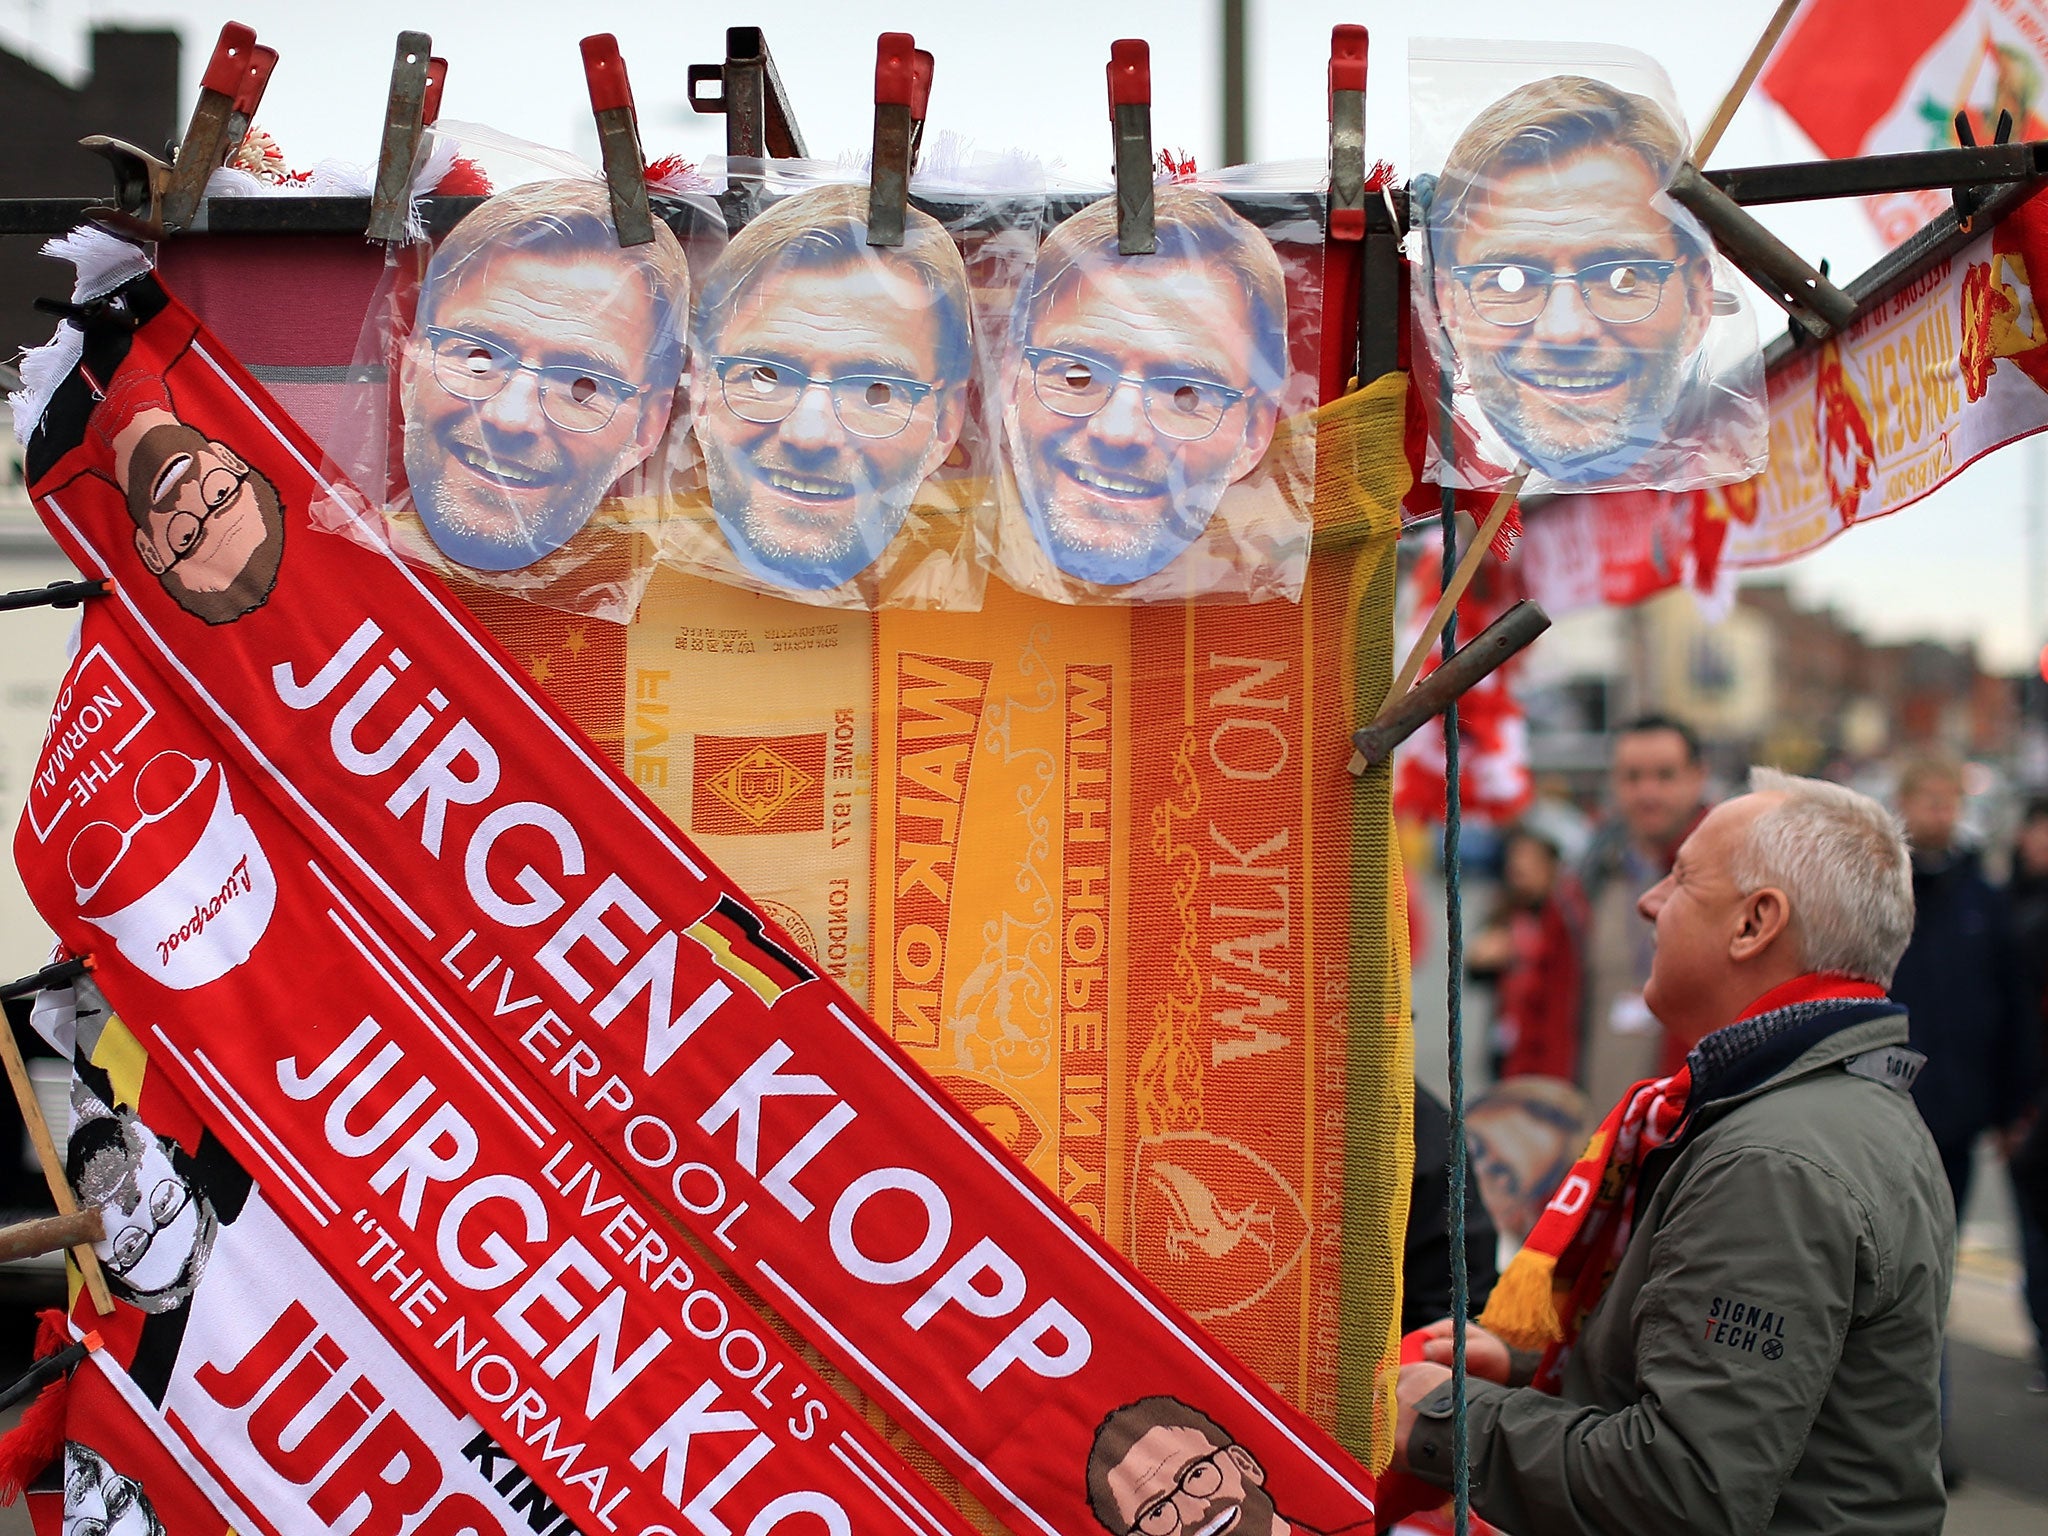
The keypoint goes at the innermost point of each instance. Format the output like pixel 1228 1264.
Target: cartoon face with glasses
pixel 1572 293
pixel 1161 1468
pixel 1143 386
pixel 163 784
pixel 160 1226
pixel 179 881
pixel 543 365
pixel 207 526
pixel 98 1501
pixel 831 383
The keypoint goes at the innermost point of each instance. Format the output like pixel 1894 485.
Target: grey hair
pixel 1842 861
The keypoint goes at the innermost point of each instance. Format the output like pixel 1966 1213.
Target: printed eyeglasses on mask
pixel 1514 293
pixel 1075 385
pixel 765 391
pixel 476 369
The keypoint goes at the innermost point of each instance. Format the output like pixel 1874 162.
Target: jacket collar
pixel 1806 1026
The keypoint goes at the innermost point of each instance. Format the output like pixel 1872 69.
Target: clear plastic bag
pixel 515 381
pixel 843 439
pixel 1156 408
pixel 1589 327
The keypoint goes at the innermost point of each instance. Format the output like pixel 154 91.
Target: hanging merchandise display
pixel 720 833
pixel 842 442
pixel 515 384
pixel 1157 408
pixel 1585 322
pixel 881 1220
pixel 1862 425
pixel 396 1140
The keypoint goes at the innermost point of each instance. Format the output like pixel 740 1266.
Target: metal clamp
pixel 1130 118
pixel 759 122
pixel 229 93
pixel 618 133
pixel 1347 132
pixel 153 199
pixel 405 121
pixel 903 88
pixel 1967 200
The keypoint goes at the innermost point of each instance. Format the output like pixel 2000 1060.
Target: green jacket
pixel 1768 1356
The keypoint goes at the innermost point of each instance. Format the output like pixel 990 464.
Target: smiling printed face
pixel 821 412
pixel 1580 379
pixel 1132 410
pixel 525 397
pixel 1174 1482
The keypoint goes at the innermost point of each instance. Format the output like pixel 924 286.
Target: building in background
pixel 130 93
pixel 1771 682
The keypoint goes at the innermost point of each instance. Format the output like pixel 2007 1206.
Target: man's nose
pixel 1121 421
pixel 1651 902
pixel 516 407
pixel 1564 318
pixel 811 422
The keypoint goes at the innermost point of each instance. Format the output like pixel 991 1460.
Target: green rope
pixel 1454 998
pixel 1454 964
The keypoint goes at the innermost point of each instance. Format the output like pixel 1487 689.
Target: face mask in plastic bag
pixel 1156 407
pixel 513 380
pixel 1588 327
pixel 842 444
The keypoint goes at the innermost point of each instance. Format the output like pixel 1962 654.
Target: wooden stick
pixel 1758 57
pixel 53 1166
pixel 1454 589
pixel 48 1234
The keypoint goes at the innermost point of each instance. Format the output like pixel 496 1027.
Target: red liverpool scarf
pixel 1552 1285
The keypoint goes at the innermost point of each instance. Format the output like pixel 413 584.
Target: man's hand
pixel 1486 1357
pixel 1416 1383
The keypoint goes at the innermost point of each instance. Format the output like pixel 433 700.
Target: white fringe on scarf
pixel 103 261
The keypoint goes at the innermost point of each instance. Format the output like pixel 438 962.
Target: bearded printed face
pixel 526 395
pixel 160 1229
pixel 1175 1482
pixel 1575 308
pixel 834 392
pixel 1134 408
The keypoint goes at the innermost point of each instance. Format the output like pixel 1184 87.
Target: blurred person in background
pixel 2028 895
pixel 1658 782
pixel 1529 951
pixel 1961 981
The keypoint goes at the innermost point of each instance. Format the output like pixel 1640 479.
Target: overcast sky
pixel 1956 565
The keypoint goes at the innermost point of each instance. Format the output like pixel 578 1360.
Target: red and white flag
pixel 1882 77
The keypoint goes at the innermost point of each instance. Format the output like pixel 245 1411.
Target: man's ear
pixel 1765 917
pixel 654 419
pixel 1262 416
pixel 148 553
pixel 1248 1466
pixel 1698 273
pixel 952 416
